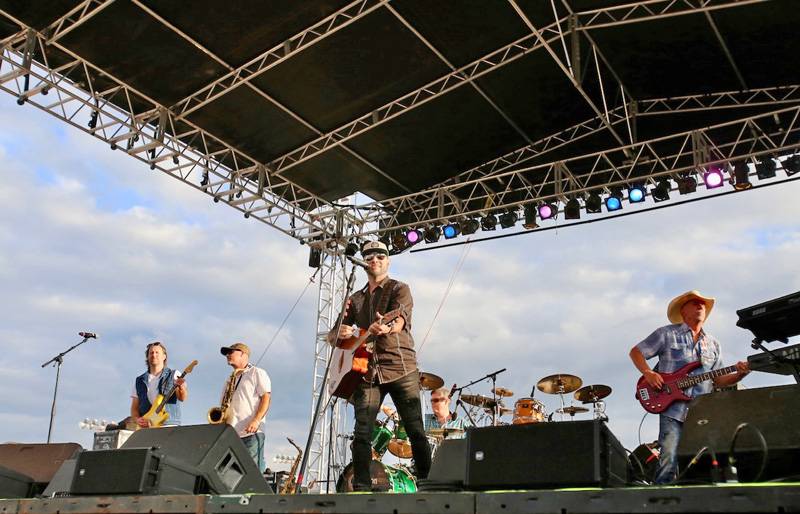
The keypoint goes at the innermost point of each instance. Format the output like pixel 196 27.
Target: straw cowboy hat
pixel 674 309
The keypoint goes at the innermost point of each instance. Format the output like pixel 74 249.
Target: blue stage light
pixel 451 230
pixel 636 194
pixel 613 203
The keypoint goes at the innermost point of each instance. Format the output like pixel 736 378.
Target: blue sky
pixel 91 239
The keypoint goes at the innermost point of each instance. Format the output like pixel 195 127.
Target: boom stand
pixel 58 360
pixel 300 475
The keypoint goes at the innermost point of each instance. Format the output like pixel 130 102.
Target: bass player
pixel 392 367
pixel 676 345
pixel 158 379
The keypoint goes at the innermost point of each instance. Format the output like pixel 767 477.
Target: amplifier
pixel 545 455
pixel 110 439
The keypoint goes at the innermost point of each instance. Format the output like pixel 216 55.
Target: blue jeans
pixel 669 434
pixel 255 445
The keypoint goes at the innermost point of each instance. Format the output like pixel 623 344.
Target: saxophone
pixel 222 414
pixel 290 485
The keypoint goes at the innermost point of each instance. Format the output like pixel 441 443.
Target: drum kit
pixel 530 410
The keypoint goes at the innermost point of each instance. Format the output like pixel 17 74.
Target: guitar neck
pixel 702 377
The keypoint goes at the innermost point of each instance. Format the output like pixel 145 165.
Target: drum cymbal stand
pixel 600 410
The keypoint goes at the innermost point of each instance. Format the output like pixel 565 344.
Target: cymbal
pixel 429 381
pixel 478 400
pixel 572 410
pixel 400 448
pixel 502 391
pixel 592 393
pixel 559 384
pixel 444 432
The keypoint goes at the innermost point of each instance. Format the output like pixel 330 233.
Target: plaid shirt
pixel 430 422
pixel 675 348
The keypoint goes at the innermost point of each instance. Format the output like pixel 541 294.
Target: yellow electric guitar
pixel 158 415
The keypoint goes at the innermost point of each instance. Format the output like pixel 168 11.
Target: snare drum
pixel 384 478
pixel 528 410
pixel 381 435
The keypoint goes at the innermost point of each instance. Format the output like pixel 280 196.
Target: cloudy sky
pixel 91 239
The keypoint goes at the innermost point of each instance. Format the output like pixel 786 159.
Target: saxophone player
pixel 249 402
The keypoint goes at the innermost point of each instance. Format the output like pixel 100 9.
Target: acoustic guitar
pixel 350 359
pixel 158 415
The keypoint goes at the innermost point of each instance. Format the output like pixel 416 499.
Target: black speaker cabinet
pixel 772 411
pixel 215 450
pixel 37 461
pixel 544 455
pixel 134 471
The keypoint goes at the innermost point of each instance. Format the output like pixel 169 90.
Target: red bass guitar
pixel 658 400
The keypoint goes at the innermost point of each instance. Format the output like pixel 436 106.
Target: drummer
pixel 442 417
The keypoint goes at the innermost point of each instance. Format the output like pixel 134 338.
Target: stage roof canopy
pixel 434 110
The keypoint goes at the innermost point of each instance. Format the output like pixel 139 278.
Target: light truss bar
pixel 756 136
pixel 76 17
pixel 653 9
pixel 773 96
pixel 342 18
pixel 638 12
pixel 142 134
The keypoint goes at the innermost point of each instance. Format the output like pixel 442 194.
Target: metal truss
pixel 768 134
pixel 773 96
pixel 129 120
pixel 326 458
pixel 550 34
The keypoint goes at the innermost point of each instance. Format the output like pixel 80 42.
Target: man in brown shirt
pixel 392 367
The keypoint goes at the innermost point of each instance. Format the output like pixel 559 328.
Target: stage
pixel 760 497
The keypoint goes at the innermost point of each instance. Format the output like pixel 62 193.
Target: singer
pixel 392 368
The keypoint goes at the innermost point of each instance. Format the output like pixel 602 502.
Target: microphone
pixel 452 390
pixel 358 262
pixel 453 415
pixel 88 335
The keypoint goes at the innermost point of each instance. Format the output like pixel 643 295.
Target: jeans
pixel 255 445
pixel 669 434
pixel 367 399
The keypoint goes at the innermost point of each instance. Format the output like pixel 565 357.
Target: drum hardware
pixel 479 400
pixel 572 410
pixel 399 445
pixel 429 381
pixel 502 391
pixel 559 384
pixel 444 432
pixel 594 394
pixel 393 479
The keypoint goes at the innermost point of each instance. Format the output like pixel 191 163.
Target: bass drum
pixel 384 479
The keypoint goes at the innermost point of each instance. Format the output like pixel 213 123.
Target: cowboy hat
pixel 674 309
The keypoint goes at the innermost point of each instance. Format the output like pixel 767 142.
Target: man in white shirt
pixel 250 401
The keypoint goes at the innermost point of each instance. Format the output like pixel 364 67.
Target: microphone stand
pixel 351 280
pixel 493 377
pixel 58 360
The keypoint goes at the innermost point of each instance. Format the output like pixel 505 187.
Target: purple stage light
pixel 713 178
pixel 546 211
pixel 413 236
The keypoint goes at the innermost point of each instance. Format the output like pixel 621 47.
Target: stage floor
pixel 765 497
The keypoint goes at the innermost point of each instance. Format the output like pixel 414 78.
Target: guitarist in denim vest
pixel 158 379
pixel 392 368
pixel 676 345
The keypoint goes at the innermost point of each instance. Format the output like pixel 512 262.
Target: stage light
pixel 594 203
pixel 488 222
pixel 470 226
pixel 451 230
pixel 93 119
pixel 614 200
pixel 547 211
pixel 636 193
pixel 399 242
pixel 204 179
pixel 741 176
pixel 791 165
pixel 508 219
pixel 432 234
pixel 530 217
pixel 713 177
pixel 765 169
pixel 413 236
pixel 661 191
pixel 572 210
pixel 351 249
pixel 687 184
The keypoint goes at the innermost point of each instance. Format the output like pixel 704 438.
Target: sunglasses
pixel 379 256
pixel 437 400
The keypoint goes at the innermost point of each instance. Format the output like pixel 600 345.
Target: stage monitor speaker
pixel 215 450
pixel 643 463
pixel 37 461
pixel 543 455
pixel 15 485
pixel 135 471
pixel 449 467
pixel 774 412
